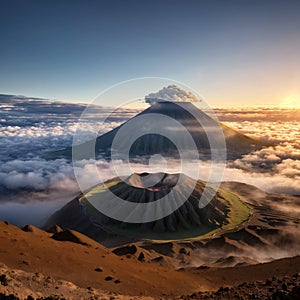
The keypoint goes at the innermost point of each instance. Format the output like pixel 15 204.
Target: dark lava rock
pixel 8 297
pixel 55 297
pixel 3 280
pixel 268 282
pixel 68 236
pixel 54 229
pixel 125 250
pixel 141 257
pixel 108 278
pixel 182 251
pixel 279 295
pixel 295 293
pixel 98 270
pixel 28 228
pixel 203 267
pixel 157 259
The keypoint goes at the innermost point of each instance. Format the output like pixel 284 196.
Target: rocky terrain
pixel 254 259
pixel 275 288
pixel 64 264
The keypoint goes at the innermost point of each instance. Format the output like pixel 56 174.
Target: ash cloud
pixel 171 93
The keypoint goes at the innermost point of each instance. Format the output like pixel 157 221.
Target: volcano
pixel 188 220
pixel 149 143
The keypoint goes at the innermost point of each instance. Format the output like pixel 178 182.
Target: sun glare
pixel 292 101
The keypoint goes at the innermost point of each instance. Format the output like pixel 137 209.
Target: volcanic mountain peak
pixel 191 121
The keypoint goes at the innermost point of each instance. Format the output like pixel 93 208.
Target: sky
pixel 234 53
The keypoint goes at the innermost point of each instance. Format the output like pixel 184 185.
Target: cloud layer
pixel 274 169
pixel 31 127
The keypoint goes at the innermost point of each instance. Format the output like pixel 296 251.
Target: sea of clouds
pixel 32 187
pixel 274 169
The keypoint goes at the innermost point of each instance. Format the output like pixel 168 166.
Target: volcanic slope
pixel 188 220
pixel 149 143
pixel 36 263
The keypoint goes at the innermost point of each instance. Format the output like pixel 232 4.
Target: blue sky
pixel 232 52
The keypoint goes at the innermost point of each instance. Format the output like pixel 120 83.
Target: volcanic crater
pixel 190 219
